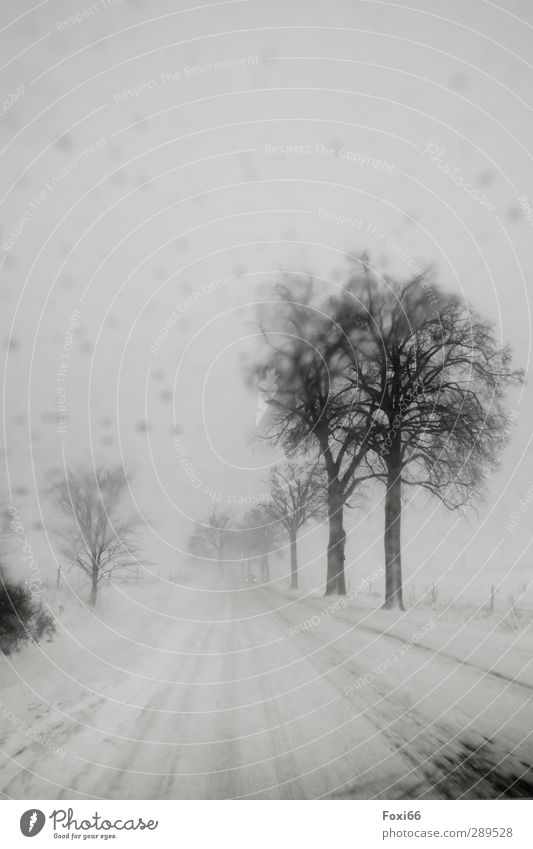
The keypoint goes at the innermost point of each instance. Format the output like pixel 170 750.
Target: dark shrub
pixel 22 617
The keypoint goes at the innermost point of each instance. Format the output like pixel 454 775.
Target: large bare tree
pixel 298 494
pixel 439 377
pixel 98 537
pixel 314 403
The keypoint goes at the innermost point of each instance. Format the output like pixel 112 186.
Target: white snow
pixel 221 693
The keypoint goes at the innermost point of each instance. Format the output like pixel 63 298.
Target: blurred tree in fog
pixel 440 379
pixel 314 403
pixel 298 494
pixel 397 382
pixel 261 536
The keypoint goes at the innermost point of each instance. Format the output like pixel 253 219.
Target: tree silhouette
pixel 298 494
pixel 314 401
pixel 260 534
pixel 439 378
pixel 96 537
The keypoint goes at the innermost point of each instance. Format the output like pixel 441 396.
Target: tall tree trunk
pixel 335 582
pixel 294 560
pixel 393 548
pixel 94 585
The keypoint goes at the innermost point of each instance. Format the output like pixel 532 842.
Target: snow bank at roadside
pixel 509 654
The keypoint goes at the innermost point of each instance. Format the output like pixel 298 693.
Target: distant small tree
pixel 261 534
pixel 212 535
pixel 96 537
pixel 298 494
pixel 246 546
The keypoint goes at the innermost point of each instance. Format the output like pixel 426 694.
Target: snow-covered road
pixel 250 693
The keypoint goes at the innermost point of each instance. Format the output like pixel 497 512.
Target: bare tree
pixel 261 535
pixel 298 495
pixel 439 378
pixel 96 537
pixel 211 535
pixel 397 382
pixel 246 546
pixel 314 402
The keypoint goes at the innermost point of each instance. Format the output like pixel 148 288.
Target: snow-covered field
pixel 247 692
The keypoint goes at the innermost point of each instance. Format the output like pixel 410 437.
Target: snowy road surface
pixel 241 701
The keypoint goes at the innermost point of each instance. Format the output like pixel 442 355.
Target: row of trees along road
pixel 397 383
pixel 297 497
pixel 251 540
